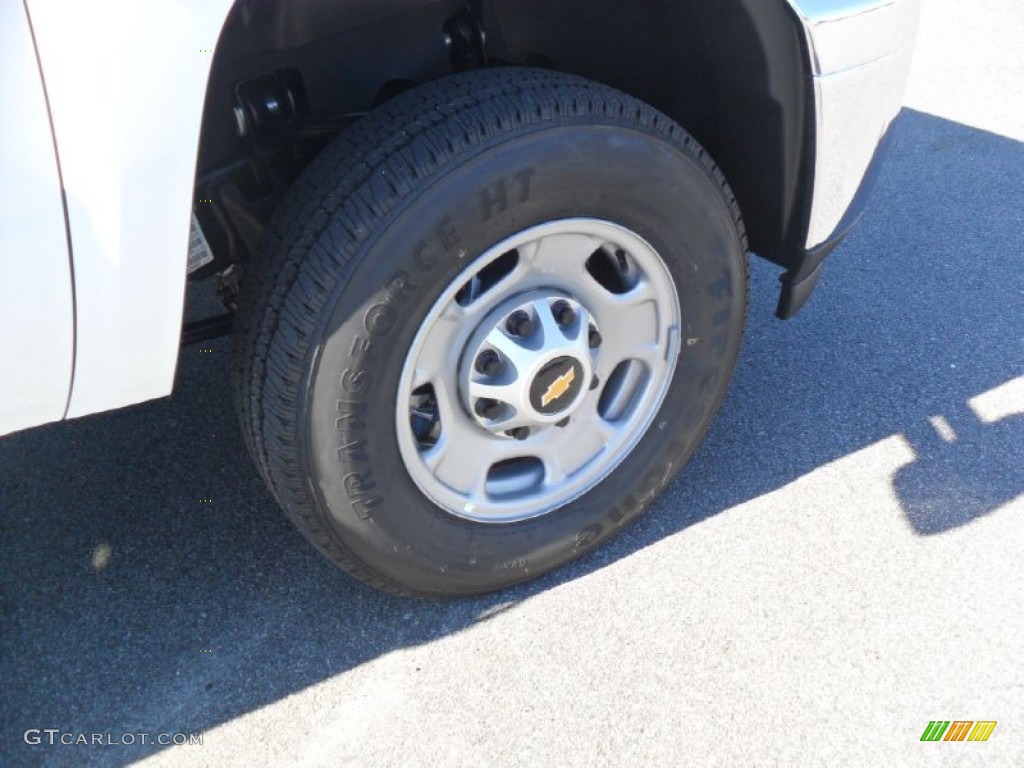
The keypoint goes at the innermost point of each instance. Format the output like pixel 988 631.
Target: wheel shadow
pixel 150 583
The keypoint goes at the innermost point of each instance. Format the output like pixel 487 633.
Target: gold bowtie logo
pixel 558 387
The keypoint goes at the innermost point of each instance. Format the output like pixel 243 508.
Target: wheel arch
pixel 732 72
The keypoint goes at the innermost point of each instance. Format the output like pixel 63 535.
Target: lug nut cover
pixel 519 323
pixel 487 409
pixel 564 313
pixel 489 363
pixel 519 433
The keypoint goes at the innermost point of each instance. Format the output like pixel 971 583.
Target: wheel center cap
pixel 529 364
pixel 557 385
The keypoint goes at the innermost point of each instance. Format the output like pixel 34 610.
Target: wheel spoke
pixel 439 349
pixel 550 331
pixel 453 419
pixel 460 464
pixel 554 469
pixel 632 316
pixel 457 320
pixel 456 459
pixel 591 433
pixel 561 254
pixel 505 393
pixel 629 325
pixel 569 450
pixel 593 425
pixel 511 349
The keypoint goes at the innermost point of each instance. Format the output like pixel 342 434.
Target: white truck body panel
pixel 125 77
pixel 36 304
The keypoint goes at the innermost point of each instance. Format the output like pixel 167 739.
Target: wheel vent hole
pixel 425 417
pixel 487 278
pixel 622 390
pixel 613 268
pixel 514 477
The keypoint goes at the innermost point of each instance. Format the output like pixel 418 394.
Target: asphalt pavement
pixel 840 564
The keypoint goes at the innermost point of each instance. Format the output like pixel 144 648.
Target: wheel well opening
pixel 286 77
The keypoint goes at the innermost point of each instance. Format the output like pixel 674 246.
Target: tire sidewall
pixel 349 448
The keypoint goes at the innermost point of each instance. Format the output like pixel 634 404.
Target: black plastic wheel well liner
pixel 734 73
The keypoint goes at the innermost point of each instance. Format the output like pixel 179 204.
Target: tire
pixel 388 221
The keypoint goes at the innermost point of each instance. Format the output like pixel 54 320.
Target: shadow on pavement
pixel 149 582
pixel 964 476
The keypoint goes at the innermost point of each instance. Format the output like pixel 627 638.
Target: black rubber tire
pixel 380 224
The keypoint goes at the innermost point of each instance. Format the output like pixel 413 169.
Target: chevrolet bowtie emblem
pixel 558 387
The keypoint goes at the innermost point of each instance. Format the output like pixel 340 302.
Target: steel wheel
pixel 538 370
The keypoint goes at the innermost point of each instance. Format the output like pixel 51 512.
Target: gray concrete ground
pixel 839 565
